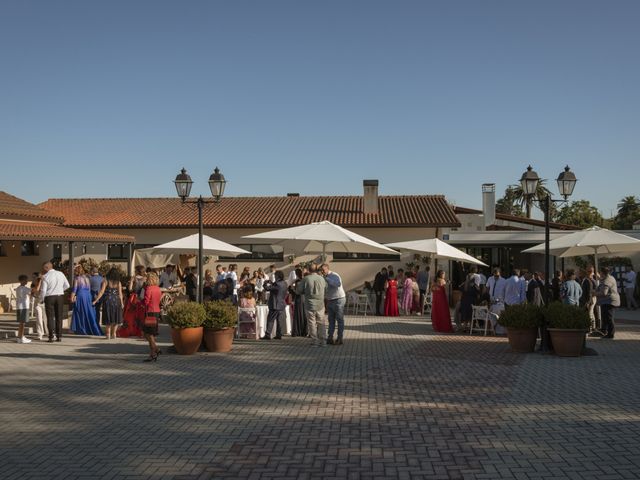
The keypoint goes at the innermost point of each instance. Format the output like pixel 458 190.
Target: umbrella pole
pixel 324 252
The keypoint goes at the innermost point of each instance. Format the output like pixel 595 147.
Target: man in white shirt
pixel 496 285
pixel 272 273
pixel 629 289
pixel 52 288
pixel 169 278
pixel 515 289
pixel 220 273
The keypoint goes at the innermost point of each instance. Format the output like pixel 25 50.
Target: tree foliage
pixel 628 213
pixel 514 202
pixel 527 201
pixel 509 203
pixel 581 214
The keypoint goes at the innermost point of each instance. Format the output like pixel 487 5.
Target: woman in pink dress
pixel 440 314
pixel 391 299
pixel 407 294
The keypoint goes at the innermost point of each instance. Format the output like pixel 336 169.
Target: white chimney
pixel 489 203
pixel 370 197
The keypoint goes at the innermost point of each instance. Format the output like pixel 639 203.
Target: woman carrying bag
pixel 152 295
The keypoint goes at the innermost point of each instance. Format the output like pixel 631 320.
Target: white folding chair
pixel 479 314
pixel 362 304
pixel 352 302
pixel 426 304
pixel 247 323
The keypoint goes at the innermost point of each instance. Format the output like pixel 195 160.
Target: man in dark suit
pixel 378 287
pixel 277 294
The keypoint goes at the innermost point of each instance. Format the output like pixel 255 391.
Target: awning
pixel 493 239
pixel 25 231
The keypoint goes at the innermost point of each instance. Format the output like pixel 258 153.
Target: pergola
pixel 23 231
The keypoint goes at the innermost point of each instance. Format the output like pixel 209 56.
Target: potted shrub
pixel 219 325
pixel 185 319
pixel 522 323
pixel 567 325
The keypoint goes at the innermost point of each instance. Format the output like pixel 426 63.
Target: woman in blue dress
pixel 83 320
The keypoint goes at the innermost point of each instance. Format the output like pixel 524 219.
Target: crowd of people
pixel 103 306
pixel 596 292
pixel 103 302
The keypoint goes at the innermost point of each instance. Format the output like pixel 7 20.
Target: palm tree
pixel 527 200
pixel 628 212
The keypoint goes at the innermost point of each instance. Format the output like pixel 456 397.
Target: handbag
pixel 150 319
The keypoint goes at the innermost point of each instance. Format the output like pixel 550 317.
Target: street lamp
pixel 566 183
pixel 183 185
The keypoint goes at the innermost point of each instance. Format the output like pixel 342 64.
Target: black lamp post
pixel 183 184
pixel 566 183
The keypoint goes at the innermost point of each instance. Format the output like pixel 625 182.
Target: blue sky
pixel 112 98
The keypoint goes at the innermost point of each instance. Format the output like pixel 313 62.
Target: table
pixel 261 319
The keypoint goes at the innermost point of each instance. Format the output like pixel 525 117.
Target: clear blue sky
pixel 112 98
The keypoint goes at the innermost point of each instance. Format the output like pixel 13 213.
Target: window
pixel 3 252
pixel 29 249
pixel 259 252
pixel 365 257
pixel 118 251
pixel 57 252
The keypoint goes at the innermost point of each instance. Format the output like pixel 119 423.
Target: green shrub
pixel 220 315
pixel 522 316
pixel 559 315
pixel 186 315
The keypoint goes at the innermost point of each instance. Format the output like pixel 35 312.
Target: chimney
pixel 489 203
pixel 293 194
pixel 370 197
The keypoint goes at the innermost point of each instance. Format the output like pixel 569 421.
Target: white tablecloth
pixel 263 312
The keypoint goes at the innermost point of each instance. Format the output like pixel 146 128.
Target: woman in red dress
pixel 391 300
pixel 152 295
pixel 440 314
pixel 134 310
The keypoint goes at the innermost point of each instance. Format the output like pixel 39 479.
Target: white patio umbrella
pixel 189 246
pixel 322 236
pixel 437 248
pixel 592 241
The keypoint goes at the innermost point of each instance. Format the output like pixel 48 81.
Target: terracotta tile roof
pixel 516 219
pixel 15 208
pixel 401 211
pixel 55 233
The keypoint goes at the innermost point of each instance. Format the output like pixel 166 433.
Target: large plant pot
pixel 187 340
pixel 567 342
pixel 218 340
pixel 522 340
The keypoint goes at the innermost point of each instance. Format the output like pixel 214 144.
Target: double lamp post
pixel 183 185
pixel 566 183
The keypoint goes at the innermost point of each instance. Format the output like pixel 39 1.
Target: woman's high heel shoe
pixel 158 352
pixel 152 358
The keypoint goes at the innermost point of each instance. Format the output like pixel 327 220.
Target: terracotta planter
pixel 567 342
pixel 187 340
pixel 522 340
pixel 219 340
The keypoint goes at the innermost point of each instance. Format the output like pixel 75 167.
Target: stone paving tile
pixel 396 401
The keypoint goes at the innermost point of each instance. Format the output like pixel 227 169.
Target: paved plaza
pixel 396 401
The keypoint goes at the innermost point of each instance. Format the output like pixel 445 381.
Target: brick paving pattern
pixel 396 401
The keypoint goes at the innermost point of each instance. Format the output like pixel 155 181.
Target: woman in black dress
pixel 112 303
pixel 299 327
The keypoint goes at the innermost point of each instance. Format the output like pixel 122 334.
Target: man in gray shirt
pixel 336 300
pixel 314 287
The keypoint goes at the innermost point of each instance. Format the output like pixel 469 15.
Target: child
pixel 22 307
